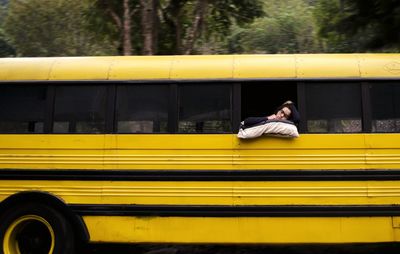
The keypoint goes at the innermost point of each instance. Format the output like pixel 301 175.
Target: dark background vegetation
pixel 165 27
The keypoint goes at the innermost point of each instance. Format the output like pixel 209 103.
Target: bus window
pixel 262 98
pixel 333 107
pixel 385 107
pixel 142 108
pixel 22 108
pixel 80 109
pixel 205 109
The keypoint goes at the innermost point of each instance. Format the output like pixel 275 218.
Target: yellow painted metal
pixel 213 152
pixel 240 230
pixel 202 67
pixel 382 65
pixel 213 192
pixel 25 68
pixel 262 66
pixel 335 66
pixel 81 68
pixel 310 151
pixel 141 67
pixel 10 240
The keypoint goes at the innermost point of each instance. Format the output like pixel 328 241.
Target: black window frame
pixel 173 86
pixel 369 106
pixel 72 129
pixel 206 83
pixel 45 111
pixel 114 108
pixel 303 112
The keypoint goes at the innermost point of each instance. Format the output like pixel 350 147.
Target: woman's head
pixel 287 111
pixel 284 113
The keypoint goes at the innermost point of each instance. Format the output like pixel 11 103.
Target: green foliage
pixel 224 15
pixel 359 25
pixel 221 15
pixel 288 28
pixel 102 19
pixel 6 50
pixel 53 28
pixel 86 27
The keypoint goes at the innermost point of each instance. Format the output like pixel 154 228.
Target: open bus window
pixel 333 107
pixel 263 98
pixel 22 108
pixel 142 108
pixel 205 109
pixel 385 107
pixel 79 109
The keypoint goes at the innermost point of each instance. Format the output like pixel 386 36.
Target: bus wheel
pixel 35 229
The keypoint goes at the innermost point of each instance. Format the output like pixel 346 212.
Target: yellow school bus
pixel 143 149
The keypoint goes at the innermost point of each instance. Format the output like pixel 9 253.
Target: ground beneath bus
pixel 240 249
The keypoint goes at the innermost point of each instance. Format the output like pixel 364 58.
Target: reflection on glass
pixel 387 125
pixel 142 126
pixel 80 109
pixel 205 109
pixel 206 126
pixel 385 106
pixel 333 107
pixel 334 126
pixel 60 127
pixel 142 108
pixel 90 127
pixel 22 108
pixel 21 127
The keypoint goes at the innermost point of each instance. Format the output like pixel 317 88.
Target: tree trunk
pixel 126 30
pixel 149 26
pixel 342 6
pixel 193 33
pixel 171 15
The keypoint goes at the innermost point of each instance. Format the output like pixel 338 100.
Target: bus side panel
pixel 240 230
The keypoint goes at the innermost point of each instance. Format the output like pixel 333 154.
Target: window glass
pixel 22 108
pixel 142 108
pixel 204 109
pixel 80 109
pixel 333 107
pixel 385 107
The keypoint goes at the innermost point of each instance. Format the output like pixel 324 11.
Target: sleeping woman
pixel 287 111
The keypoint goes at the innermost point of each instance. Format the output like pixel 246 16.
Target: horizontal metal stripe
pixel 231 192
pixel 190 159
pixel 196 80
pixel 200 175
pixel 236 211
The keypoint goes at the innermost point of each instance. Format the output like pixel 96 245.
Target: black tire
pixel 35 229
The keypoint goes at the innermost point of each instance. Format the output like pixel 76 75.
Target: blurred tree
pixel 289 27
pixel 53 28
pixel 149 23
pixel 328 14
pixel 118 19
pixel 203 21
pixel 6 50
pixel 174 26
pixel 359 25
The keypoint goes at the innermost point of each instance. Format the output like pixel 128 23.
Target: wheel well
pixel 80 230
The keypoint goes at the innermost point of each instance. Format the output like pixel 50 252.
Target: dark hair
pixel 294 114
